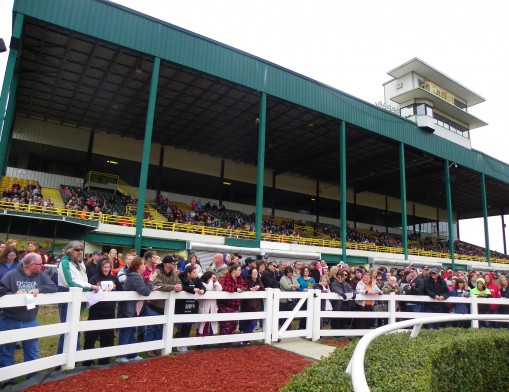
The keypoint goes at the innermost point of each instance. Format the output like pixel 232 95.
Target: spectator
pixel 166 279
pixel 314 270
pixel 504 293
pixel 103 310
pixel 192 285
pixel 250 263
pixel 281 270
pixel 95 260
pixel 151 261
pixel 287 283
pixel 459 290
pixel 436 288
pixel 495 293
pixel 8 260
pixel 72 273
pixel 269 276
pixel 252 304
pixel 209 306
pixel 116 262
pixel 126 309
pixel 366 286
pixel 193 261
pixel 27 278
pixel 232 283
pixel 345 292
pixel 218 267
pixel 325 304
pixel 414 286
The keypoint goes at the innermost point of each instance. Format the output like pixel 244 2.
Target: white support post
pixel 317 308
pixel 474 309
pixel 275 316
pixel 310 313
pixel 268 309
pixel 169 312
pixel 73 319
pixel 392 308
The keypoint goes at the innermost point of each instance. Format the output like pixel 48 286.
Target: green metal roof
pixel 106 21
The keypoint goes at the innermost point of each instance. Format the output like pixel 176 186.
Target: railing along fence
pixel 276 323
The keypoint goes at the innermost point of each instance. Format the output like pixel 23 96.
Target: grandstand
pixel 342 179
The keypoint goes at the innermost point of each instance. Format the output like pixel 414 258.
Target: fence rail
pixel 272 330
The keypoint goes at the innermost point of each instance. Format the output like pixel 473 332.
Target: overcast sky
pixel 350 45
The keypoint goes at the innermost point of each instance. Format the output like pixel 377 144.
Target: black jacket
pixel 433 289
pixel 188 306
pixel 269 280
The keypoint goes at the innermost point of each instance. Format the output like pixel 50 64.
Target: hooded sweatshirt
pixel 495 291
pixel 16 280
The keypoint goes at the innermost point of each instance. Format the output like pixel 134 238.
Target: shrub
pixel 449 359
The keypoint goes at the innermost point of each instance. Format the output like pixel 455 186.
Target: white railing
pixel 356 365
pixel 271 315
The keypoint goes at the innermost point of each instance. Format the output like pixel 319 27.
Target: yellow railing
pixel 231 233
pixel 106 178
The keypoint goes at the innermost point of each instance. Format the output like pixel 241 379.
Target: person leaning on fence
pixel 232 283
pixel 165 279
pixel 436 287
pixel 366 286
pixel 103 310
pixel 345 292
pixel 481 291
pixel 193 285
pixel 27 278
pixel 127 309
pixel 459 290
pixel 287 283
pixel 208 306
pixel 251 304
pixel 72 273
pixel 415 286
pixel 503 283
pixel 325 305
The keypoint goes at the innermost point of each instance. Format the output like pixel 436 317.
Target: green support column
pixel 485 217
pixel 342 187
pixel 7 89
pixel 145 159
pixel 261 166
pixel 8 121
pixel 450 231
pixel 402 182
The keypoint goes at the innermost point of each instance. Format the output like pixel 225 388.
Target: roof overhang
pixel 442 105
pixel 427 71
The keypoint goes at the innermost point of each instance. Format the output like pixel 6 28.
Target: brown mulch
pixel 255 368
pixel 336 342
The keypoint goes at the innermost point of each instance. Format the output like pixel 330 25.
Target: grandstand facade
pixel 132 111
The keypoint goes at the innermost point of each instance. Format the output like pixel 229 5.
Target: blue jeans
pixel 153 332
pixel 30 347
pixel 126 336
pixel 413 308
pixel 249 325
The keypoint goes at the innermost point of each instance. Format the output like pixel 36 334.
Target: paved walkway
pixel 305 347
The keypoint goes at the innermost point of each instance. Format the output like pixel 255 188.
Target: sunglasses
pixel 78 250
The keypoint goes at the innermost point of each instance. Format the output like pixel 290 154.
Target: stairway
pixel 54 195
pixel 154 213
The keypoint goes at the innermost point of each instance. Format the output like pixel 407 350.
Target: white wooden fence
pixel 270 315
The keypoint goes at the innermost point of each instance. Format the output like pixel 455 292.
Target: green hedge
pixel 450 359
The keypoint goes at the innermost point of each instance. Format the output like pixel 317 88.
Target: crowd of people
pixel 30 194
pixel 113 271
pixel 91 206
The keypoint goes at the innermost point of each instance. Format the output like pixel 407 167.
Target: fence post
pixel 169 312
pixel 275 316
pixel 392 308
pixel 73 319
pixel 474 309
pixel 268 308
pixel 317 308
pixel 310 313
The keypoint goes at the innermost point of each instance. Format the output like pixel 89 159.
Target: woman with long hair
pixel 126 309
pixel 252 304
pixel 193 260
pixel 232 283
pixel 8 260
pixel 192 285
pixel 209 306
pixel 102 310
pixel 116 262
